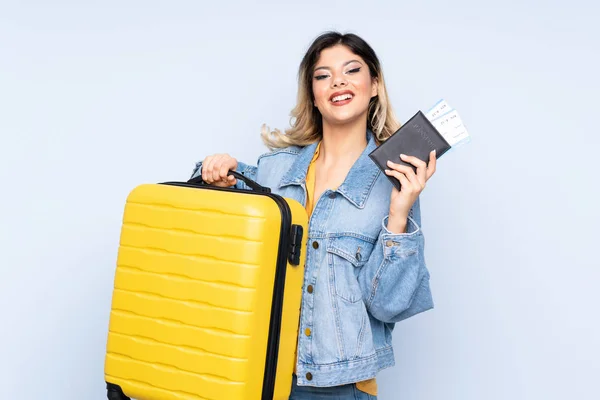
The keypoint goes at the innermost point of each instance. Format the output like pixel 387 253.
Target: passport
pixel 417 137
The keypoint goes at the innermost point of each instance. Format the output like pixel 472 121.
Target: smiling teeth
pixel 342 97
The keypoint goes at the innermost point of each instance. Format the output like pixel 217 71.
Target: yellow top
pixel 370 385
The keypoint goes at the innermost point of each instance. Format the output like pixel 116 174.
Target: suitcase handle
pixel 249 182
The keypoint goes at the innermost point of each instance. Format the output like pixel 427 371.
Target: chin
pixel 344 118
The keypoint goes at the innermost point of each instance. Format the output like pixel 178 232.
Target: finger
pixel 413 184
pixel 400 176
pixel 206 168
pixel 419 164
pixel 405 169
pixel 216 168
pixel 432 164
pixel 227 164
pixel 224 169
pixel 211 168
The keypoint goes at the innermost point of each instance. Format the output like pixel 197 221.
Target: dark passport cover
pixel 417 137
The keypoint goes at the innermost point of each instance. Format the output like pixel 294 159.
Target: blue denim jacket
pixel 362 277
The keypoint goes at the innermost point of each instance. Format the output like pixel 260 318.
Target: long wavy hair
pixel 306 120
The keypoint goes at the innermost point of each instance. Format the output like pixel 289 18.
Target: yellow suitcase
pixel 207 292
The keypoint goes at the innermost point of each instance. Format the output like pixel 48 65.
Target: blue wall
pixel 98 97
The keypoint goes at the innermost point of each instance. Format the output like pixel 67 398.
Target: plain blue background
pixel 97 97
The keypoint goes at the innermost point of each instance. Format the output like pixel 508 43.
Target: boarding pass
pixel 447 121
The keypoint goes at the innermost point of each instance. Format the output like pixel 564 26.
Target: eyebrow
pixel 346 63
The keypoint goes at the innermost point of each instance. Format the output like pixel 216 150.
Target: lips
pixel 341 98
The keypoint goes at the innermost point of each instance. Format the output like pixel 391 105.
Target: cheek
pixel 363 84
pixel 320 93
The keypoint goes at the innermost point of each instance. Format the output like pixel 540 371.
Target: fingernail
pixel 402 155
pixel 389 162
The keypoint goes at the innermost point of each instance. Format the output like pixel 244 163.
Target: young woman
pixel 365 267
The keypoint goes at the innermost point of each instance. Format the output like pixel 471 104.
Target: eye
pixel 354 70
pixel 319 77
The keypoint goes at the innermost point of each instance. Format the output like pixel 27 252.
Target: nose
pixel 339 80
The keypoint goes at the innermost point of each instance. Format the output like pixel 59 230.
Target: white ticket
pixel 439 108
pixel 447 121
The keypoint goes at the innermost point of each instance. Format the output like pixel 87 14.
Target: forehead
pixel 336 56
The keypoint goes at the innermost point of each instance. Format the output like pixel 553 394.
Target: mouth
pixel 341 98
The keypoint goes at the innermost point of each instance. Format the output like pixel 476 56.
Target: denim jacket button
pixel 315 245
pixel 389 243
pixel 309 289
pixel 309 376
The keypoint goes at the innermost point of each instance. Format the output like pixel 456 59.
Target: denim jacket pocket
pixel 347 253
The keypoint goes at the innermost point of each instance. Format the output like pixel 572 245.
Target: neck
pixel 343 143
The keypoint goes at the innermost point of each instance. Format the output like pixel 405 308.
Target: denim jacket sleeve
pixel 395 279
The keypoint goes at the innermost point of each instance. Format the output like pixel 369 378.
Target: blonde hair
pixel 306 121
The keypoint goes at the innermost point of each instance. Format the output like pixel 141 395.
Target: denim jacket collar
pixel 358 183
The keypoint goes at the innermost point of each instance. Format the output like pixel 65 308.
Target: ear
pixel 374 87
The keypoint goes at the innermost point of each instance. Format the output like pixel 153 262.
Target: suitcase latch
pixel 295 244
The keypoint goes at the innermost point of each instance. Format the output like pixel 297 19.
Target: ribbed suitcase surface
pixel 193 291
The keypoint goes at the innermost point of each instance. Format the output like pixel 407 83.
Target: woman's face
pixel 342 86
